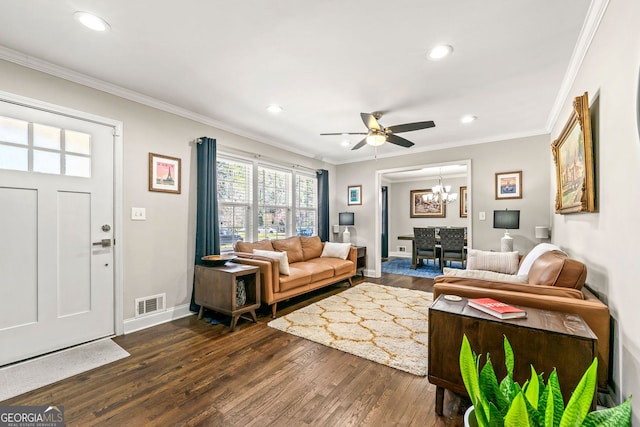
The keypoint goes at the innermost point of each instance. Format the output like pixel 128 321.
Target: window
pixel 306 205
pixel 34 147
pixel 274 203
pixel 235 197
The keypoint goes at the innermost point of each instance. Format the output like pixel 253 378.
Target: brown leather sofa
pixel 308 270
pixel 555 282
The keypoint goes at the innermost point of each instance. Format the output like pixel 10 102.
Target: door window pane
pixel 77 166
pixel 14 158
pixel 14 131
pixel 46 162
pixel 77 142
pixel 46 137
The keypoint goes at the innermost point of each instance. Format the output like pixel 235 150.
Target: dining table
pixel 414 252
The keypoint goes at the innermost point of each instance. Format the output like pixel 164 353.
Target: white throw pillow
pixel 336 250
pixel 500 262
pixel 532 256
pixel 280 256
pixel 485 275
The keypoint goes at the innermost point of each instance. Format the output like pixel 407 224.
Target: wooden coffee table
pixel 545 339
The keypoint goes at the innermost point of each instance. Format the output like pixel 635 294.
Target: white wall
pixel 399 211
pixel 607 241
pixel 530 155
pixel 159 252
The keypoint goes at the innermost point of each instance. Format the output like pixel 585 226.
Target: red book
pixel 497 308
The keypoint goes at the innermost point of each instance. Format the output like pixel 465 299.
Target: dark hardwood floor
pixel 192 373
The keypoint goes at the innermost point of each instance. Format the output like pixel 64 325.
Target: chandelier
pixel 441 194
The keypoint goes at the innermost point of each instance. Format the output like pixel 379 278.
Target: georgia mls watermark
pixel 31 416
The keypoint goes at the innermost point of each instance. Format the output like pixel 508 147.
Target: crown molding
pixel 587 33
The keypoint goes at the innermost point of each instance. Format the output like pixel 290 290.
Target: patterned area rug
pixel 380 323
pixel 402 266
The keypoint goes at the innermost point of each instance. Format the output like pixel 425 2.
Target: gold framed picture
pixel 573 156
pixel 423 205
pixel 509 185
pixel 464 204
pixel 164 173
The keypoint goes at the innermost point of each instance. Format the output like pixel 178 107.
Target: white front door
pixel 56 210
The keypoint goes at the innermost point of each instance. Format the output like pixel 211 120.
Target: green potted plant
pixel 533 404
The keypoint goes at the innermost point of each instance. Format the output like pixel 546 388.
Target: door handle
pixel 105 243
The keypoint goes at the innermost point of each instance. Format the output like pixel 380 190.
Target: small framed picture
pixel 464 205
pixel 423 205
pixel 354 195
pixel 164 173
pixel 509 185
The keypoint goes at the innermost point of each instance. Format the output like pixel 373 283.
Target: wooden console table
pixel 545 339
pixel 215 288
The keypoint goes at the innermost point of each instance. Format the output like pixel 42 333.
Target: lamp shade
pixel 346 218
pixel 506 219
pixel 542 232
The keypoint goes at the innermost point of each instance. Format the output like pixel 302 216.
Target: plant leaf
pixel 618 416
pixel 508 357
pixel 549 408
pixel 517 415
pixel 532 389
pixel 469 371
pixel 581 399
pixel 489 387
pixel 555 398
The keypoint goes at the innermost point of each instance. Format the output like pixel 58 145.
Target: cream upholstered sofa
pixel 310 264
pixel 545 278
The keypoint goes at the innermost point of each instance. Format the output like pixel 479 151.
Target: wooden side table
pixel 361 262
pixel 215 288
pixel 545 339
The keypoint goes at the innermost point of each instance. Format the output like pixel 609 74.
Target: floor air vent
pixel 150 304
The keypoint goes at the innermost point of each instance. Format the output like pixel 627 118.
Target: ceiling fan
pixel 378 134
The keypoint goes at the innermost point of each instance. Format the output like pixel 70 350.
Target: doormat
pixel 35 373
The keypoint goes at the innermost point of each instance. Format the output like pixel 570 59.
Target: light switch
pixel 138 214
pixel 482 216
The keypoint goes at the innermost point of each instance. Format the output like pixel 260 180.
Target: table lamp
pixel 508 220
pixel 346 219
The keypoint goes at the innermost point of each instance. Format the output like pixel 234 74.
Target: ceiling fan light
pixel 376 139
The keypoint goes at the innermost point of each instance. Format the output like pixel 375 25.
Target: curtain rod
pixel 261 157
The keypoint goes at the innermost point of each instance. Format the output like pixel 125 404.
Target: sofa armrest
pixel 353 257
pixel 269 272
pixel 592 310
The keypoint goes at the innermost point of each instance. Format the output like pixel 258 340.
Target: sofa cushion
pixel 296 278
pixel 532 256
pixel 292 246
pixel 283 262
pixel 485 275
pixel 248 247
pixel 311 247
pixel 338 265
pixel 316 270
pixel 336 250
pixel 499 262
pixel 556 269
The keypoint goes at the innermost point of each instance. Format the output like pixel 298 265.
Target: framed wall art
pixel 464 204
pixel 422 206
pixel 354 195
pixel 164 173
pixel 573 156
pixel 509 185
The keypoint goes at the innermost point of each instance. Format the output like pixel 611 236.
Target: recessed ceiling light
pixel 274 108
pixel 345 143
pixel 440 52
pixel 91 21
pixel 468 119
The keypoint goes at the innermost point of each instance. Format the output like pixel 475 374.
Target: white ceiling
pixel 325 62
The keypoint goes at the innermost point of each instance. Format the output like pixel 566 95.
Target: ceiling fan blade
pixel 370 121
pixel 398 140
pixel 344 133
pixel 360 144
pixel 407 127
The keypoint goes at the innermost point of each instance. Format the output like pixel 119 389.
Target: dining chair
pixel 424 241
pixel 452 246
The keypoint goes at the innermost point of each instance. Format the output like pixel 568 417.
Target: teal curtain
pixel 207 226
pixel 323 204
pixel 385 222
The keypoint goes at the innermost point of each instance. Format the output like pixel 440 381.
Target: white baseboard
pixel 400 254
pixel 143 322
